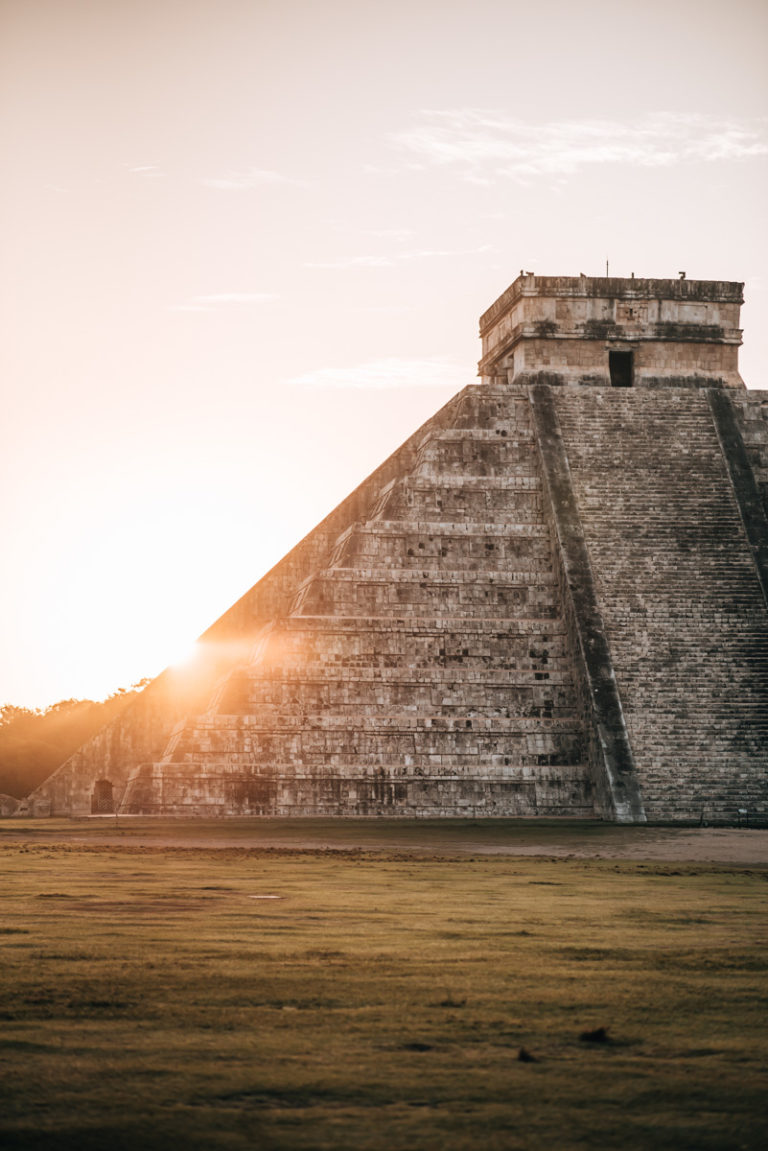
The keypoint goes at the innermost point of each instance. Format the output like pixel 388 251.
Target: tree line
pixel 33 743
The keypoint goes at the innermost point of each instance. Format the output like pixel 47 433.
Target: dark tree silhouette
pixel 34 742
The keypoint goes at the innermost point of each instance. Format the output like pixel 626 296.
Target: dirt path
pixel 410 837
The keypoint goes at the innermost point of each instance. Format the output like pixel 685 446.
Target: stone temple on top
pixel 550 601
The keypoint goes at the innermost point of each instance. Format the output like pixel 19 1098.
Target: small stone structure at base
pixel 9 805
pixel 550 601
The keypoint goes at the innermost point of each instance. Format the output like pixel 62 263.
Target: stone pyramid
pixel 550 601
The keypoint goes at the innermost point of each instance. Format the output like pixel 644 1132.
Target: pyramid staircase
pixel 680 598
pixel 422 670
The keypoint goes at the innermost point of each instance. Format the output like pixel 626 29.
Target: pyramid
pixel 552 600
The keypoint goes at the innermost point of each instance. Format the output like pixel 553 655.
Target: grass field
pixel 157 998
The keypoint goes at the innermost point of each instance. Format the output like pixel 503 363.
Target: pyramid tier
pixel 360 591
pixel 464 499
pixel 432 645
pixel 521 693
pixel 446 546
pixel 475 452
pixel 288 790
pixel 348 744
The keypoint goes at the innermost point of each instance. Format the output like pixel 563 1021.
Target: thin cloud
pixel 488 145
pixel 142 169
pixel 346 263
pixel 398 235
pixel 222 299
pixel 242 181
pixel 390 372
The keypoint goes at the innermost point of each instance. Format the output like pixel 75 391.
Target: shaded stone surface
pixel 679 593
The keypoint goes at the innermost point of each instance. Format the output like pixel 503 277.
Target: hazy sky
pixel 246 244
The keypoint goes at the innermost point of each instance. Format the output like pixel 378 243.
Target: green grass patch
pixel 243 999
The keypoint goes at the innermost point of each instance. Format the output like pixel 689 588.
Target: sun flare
pixel 185 655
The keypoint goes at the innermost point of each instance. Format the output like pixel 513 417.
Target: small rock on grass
pixel 599 1035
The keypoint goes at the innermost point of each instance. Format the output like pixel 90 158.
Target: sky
pixel 247 242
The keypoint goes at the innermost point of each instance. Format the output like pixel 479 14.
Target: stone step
pixel 443 665
pixel 430 795
pixel 467 529
pixel 504 594
pixel 542 702
pixel 375 575
pixel 522 547
pixel 427 677
pixel 501 627
pixel 485 406
pixel 400 723
pixel 327 594
pixel 506 421
pixel 465 504
pixel 479 436
pixel 531 693
pixel 446 664
pixel 469 483
pixel 319 746
pixel 332 653
pixel 461 457
pixel 435 754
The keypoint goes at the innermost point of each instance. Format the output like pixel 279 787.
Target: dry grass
pixel 158 998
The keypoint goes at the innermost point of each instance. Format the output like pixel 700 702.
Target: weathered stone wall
pixel 641 289
pixel 752 414
pixel 680 332
pixel 9 805
pixel 679 594
pixel 585 363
